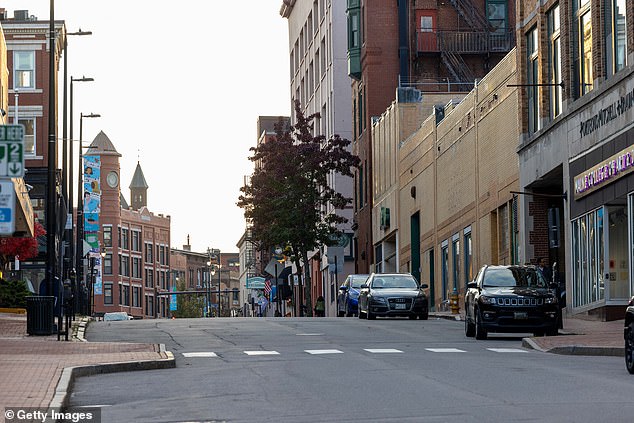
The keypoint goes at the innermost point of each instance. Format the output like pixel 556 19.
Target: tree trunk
pixel 308 288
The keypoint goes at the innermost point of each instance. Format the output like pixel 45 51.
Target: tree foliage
pixel 188 305
pixel 288 199
pixel 23 248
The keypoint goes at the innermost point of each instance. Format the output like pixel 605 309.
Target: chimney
pixel 21 15
pixel 3 14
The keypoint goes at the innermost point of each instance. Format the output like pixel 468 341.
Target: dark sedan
pixel 510 299
pixel 629 337
pixel 348 297
pixel 393 294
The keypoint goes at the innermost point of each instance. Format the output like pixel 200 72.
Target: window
pixel 124 265
pixel 616 36
pixel 588 258
pixel 125 239
pixel 136 267
pixel 554 61
pixel 455 253
pixel 584 27
pixel 148 253
pixel 149 278
pixel 136 296
pixel 468 256
pixel 136 240
pixel 29 136
pixel 107 236
pixel 354 40
pixel 496 14
pixel 126 295
pixel 107 293
pixel 24 69
pixel 360 187
pixel 149 305
pixel 532 79
pixel 107 264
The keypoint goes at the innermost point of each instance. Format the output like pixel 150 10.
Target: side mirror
pixel 472 285
pixel 424 286
pixel 365 286
pixel 343 288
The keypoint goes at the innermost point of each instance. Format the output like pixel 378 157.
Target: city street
pixel 350 370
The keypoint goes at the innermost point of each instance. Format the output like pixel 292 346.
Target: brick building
pixel 28 65
pixel 426 44
pixel 128 246
pixel 576 146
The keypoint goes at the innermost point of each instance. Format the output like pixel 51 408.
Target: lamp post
pixel 51 184
pixel 74 246
pixel 208 285
pixel 80 200
pixel 215 253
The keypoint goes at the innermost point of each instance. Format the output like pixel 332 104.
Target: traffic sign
pixel 12 151
pixel 7 207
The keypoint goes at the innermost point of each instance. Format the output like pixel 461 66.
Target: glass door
pixel 617 262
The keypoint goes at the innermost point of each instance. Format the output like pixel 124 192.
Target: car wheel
pixel 469 328
pixel 480 332
pixel 424 315
pixel 412 317
pixel 348 313
pixel 340 313
pixel 629 349
pixel 360 314
pixel 370 316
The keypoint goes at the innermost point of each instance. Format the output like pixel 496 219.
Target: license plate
pixel 520 315
pixel 400 306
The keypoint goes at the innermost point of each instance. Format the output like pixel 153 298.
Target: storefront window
pixel 618 264
pixel 631 241
pixel 444 256
pixel 588 258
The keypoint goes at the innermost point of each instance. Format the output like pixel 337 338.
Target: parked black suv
pixel 629 336
pixel 511 299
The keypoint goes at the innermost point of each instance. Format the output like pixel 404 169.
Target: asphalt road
pixel 350 370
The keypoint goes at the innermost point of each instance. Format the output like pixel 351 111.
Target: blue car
pixel 347 299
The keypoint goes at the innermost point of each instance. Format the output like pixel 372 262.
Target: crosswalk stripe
pixel 444 350
pixel 200 354
pixel 382 350
pixel 261 353
pixel 507 350
pixel 315 352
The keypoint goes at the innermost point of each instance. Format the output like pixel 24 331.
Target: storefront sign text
pixel 605 172
pixel 607 114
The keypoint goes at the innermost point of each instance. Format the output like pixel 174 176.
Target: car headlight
pixel 379 300
pixel 550 300
pixel 487 300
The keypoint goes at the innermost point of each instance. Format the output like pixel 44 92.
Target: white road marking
pixel 382 350
pixel 315 352
pixel 445 350
pixel 507 350
pixel 261 353
pixel 199 354
pixel 309 334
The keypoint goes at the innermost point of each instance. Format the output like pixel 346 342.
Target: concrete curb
pixel 576 349
pixel 69 374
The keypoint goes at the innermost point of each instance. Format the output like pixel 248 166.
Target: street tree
pixel 22 248
pixel 288 199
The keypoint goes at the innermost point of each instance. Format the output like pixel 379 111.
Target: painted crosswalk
pixel 334 351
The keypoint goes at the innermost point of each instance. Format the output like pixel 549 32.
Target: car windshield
pixel 514 276
pixel 357 281
pixel 396 281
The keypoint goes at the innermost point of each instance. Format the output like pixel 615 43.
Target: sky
pixel 179 87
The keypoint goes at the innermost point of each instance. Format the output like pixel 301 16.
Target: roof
pixel 138 180
pixel 102 146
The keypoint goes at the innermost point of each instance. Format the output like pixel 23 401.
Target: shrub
pixel 13 293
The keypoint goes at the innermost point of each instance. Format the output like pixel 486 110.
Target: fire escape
pixel 481 38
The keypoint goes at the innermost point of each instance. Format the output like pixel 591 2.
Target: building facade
pixel 128 257
pixel 428 45
pixel 457 178
pixel 317 47
pixel 576 146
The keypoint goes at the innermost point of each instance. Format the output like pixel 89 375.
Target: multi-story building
pixel 317 46
pixel 129 246
pixel 576 146
pixel 430 45
pixel 28 62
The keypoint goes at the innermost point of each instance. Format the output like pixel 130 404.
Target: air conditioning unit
pixel 21 15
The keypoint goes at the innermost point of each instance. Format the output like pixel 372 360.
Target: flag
pixel 267 287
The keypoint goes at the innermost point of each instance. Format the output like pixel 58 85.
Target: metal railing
pixel 464 41
pixel 436 85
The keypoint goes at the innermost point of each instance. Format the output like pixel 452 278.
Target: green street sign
pixel 12 151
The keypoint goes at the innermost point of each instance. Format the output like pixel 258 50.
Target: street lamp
pixel 80 199
pixel 210 272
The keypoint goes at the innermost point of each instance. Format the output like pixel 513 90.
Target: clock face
pixel 112 179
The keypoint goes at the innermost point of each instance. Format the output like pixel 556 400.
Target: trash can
pixel 39 315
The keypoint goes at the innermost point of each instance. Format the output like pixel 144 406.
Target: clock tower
pixel 138 189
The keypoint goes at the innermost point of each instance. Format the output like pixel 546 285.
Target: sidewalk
pixel 38 371
pixel 578 337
